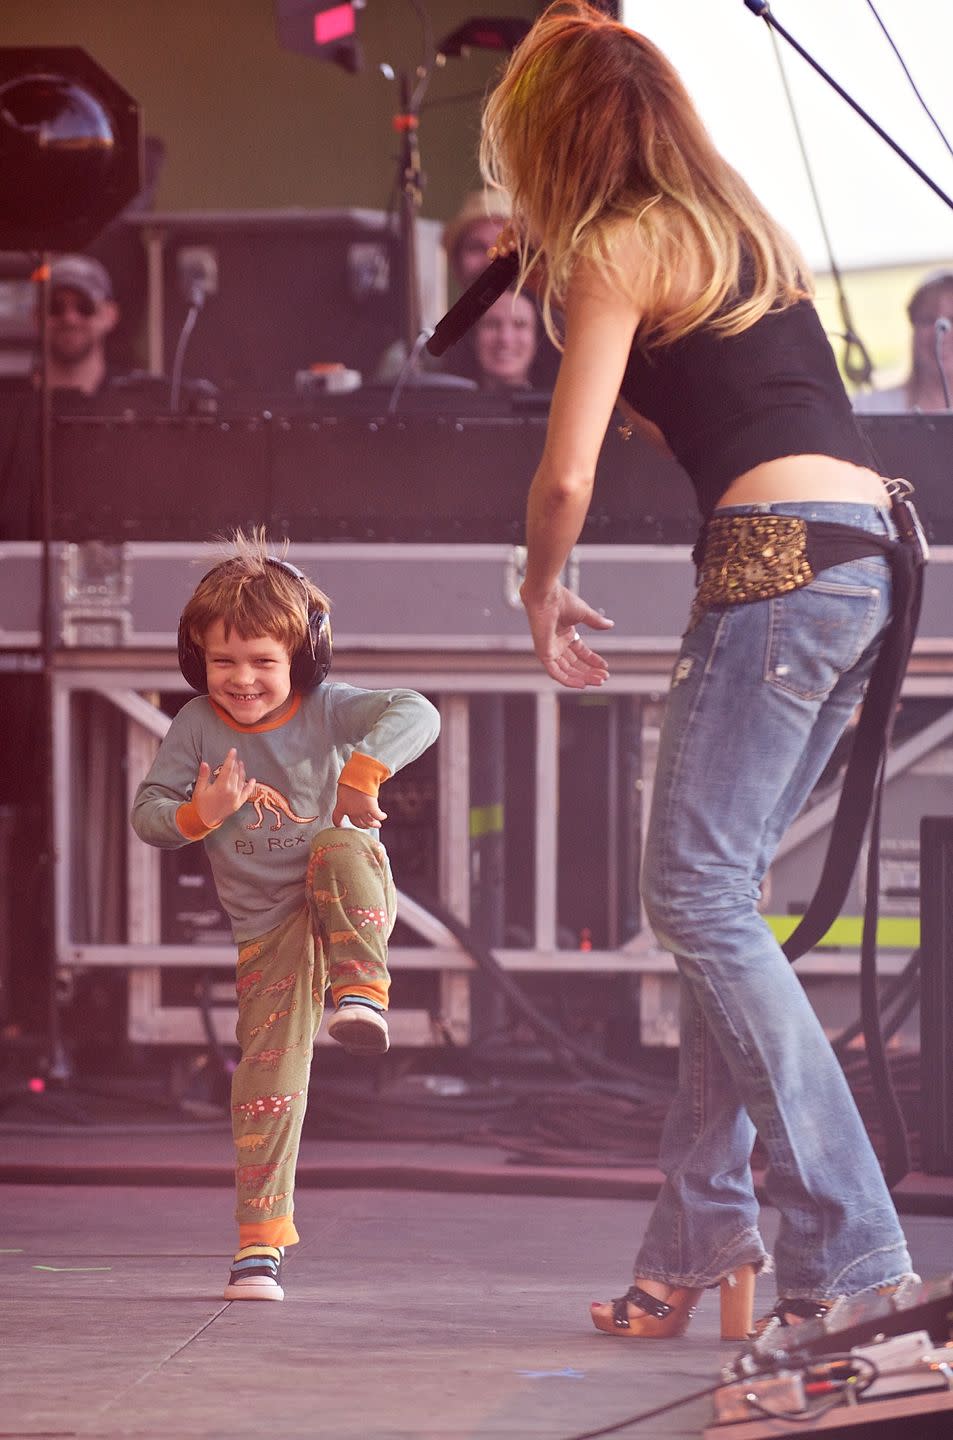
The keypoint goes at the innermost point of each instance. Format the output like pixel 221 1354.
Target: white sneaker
pixel 360 1029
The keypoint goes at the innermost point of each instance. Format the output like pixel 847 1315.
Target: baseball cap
pixel 82 273
pixel 476 206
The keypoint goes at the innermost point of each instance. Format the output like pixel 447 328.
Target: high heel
pixel 789 1312
pixel 667 1319
pixel 737 1302
pixel 661 1320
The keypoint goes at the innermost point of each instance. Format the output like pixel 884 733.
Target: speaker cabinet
pixel 936 993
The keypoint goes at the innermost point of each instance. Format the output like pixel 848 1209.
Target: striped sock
pixel 359 1000
pixel 256 1274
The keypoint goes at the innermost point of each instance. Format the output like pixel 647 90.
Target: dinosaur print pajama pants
pixel 337 941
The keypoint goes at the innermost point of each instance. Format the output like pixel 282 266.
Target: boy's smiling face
pixel 249 679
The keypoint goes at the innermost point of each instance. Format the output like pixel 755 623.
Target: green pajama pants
pixel 337 941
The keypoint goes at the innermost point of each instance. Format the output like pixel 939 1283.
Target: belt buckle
pixel 907 520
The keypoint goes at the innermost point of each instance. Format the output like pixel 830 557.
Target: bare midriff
pixel 796 478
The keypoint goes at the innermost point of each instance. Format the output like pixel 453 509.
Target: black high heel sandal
pixel 783 1312
pixel 668 1318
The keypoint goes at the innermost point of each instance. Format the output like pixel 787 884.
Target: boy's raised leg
pixel 354 905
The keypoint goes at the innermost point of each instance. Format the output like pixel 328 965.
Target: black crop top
pixel 728 403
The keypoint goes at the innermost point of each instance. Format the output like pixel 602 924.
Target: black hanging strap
pixel 860 802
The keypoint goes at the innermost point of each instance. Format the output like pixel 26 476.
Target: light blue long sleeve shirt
pixel 259 855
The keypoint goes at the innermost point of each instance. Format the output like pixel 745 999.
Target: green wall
pixel 248 125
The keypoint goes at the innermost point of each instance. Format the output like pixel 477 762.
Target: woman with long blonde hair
pixel 676 292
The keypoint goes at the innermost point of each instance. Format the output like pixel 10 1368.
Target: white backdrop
pixel 878 211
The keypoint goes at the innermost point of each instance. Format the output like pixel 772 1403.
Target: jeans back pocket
pixel 822 631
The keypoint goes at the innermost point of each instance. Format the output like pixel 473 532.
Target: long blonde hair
pixel 591 129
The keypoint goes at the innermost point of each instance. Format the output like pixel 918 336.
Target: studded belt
pixel 742 558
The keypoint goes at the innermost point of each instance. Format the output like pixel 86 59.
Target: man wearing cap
pixel 929 386
pixel 468 236
pixel 82 313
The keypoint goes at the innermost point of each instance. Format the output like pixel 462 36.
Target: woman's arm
pixel 600 323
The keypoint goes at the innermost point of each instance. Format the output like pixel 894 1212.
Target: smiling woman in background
pixel 505 342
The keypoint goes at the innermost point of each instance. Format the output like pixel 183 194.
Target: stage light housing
pixel 326 29
pixel 494 32
pixel 70 148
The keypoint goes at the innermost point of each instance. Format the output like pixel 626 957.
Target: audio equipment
pixel 936 991
pixel 873 1365
pixel 345 470
pixel 917 1305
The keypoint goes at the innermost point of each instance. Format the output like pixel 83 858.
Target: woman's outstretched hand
pixel 553 619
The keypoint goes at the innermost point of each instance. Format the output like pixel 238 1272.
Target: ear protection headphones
pixel 309 664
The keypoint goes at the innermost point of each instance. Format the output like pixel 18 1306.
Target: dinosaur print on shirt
pixel 266 797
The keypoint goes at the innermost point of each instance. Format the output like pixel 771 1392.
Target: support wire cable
pixel 858 365
pixel 762 10
pixel 913 85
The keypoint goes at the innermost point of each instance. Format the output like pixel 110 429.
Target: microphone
pixel 493 282
pixel 942 326
pixel 197 267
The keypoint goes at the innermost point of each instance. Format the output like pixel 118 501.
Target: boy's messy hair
pixel 253 596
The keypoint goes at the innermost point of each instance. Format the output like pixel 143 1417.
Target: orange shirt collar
pixel 266 725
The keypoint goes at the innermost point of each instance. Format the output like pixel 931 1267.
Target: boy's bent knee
pixel 336 848
pixel 341 839
pixel 339 855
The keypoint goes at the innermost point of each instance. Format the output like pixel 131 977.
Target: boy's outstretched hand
pixel 217 798
pixel 362 810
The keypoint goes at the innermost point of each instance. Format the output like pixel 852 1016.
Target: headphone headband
pixel 309 664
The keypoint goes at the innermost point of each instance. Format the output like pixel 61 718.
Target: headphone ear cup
pixel 312 661
pixel 192 662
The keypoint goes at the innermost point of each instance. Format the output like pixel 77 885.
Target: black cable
pixel 805 1416
pixel 429 56
pixel 853 1384
pixel 577 1059
pixel 913 85
pixel 649 1414
pixel 178 362
pixel 899 991
pixel 892 1120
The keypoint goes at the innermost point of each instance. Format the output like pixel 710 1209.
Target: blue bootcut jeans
pixel 760 694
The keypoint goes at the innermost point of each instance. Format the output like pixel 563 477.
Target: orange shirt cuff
pixel 364 773
pixel 191 824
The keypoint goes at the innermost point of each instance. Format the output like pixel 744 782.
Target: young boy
pixel 277 771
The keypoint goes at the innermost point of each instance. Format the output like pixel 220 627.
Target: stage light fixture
pixel 70 148
pixel 326 29
pixel 494 32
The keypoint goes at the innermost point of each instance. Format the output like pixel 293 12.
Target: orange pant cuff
pixel 377 993
pixel 280 1231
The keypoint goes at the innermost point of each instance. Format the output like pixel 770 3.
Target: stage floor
pixel 409 1315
